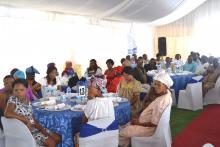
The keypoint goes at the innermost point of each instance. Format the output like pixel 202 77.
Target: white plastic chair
pixel 102 137
pixel 17 134
pixel 213 95
pixel 162 135
pixel 173 97
pixel 191 97
pixel 2 138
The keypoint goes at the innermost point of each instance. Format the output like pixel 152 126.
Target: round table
pixel 68 122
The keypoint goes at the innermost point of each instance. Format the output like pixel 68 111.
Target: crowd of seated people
pixel 113 75
pixel 127 80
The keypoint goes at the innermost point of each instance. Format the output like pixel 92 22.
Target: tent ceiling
pixel 123 10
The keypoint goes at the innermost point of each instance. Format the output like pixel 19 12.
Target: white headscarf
pixel 165 79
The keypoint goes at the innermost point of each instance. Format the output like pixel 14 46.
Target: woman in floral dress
pixel 19 107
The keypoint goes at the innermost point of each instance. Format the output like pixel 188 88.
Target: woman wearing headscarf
pixel 130 88
pixel 148 120
pixel 32 84
pixel 13 71
pixel 19 107
pixel 68 71
pixel 20 75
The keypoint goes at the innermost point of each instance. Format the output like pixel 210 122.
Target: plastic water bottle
pixel 175 68
pixel 68 90
pixel 63 99
pixel 104 90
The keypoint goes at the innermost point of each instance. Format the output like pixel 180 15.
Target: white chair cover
pixel 17 134
pixel 2 138
pixel 99 108
pixel 162 135
pixel 213 95
pixel 103 138
pixel 191 97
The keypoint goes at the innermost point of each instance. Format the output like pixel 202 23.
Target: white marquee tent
pixel 43 31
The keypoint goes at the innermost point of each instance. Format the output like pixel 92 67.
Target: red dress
pixel 114 84
pixel 110 75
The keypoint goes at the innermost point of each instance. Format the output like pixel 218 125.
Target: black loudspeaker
pixel 162 46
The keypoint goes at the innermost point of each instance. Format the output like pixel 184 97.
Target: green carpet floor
pixel 180 118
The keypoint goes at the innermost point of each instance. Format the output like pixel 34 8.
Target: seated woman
pixel 110 72
pixel 18 107
pixel 130 88
pixel 68 71
pixel 115 82
pixel 51 80
pixel 93 70
pixel 147 122
pixel 32 84
pixel 19 75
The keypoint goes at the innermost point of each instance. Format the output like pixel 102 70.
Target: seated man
pixel 139 72
pixel 177 61
pixel 202 68
pixel 149 98
pixel 146 124
pixel 190 65
pixel 151 65
pixel 210 79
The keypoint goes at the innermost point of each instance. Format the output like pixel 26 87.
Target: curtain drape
pixel 36 38
pixel 198 31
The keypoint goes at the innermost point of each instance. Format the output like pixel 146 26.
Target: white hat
pixel 164 78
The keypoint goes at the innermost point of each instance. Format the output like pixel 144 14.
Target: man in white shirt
pixel 177 61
